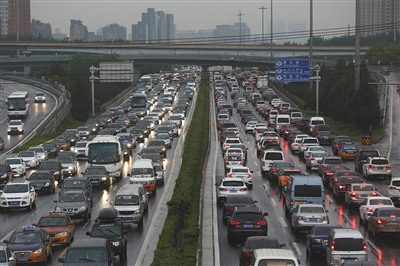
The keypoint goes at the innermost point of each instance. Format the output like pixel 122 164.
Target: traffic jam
pixel 79 197
pixel 291 191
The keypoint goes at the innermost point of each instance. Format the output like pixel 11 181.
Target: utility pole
pixel 92 79
pixel 240 26
pixel 262 22
pixel 317 78
pixel 357 44
pixel 311 37
pixel 271 31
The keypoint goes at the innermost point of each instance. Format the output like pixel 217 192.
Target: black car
pixel 77 183
pixel 43 181
pixel 97 175
pixel 109 226
pixel 245 222
pixel 235 201
pixel 254 242
pixel 91 251
pixel 317 239
pixel 362 156
pixel 5 174
pixel 51 149
pixel 55 167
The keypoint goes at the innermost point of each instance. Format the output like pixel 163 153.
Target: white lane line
pixel 282 222
pixel 7 236
pixel 296 247
pixel 274 202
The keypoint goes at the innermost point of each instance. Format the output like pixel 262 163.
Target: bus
pixel 18 104
pixel 106 150
pixel 147 81
pixel 139 104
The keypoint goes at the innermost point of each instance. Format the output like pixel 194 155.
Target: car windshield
pixel 380 202
pixel 390 213
pixel 13 161
pixel 81 145
pixel 109 229
pixel 66 160
pixel 39 176
pixel 233 183
pixel 241 200
pixel 248 216
pixel 20 188
pixel 3 257
pixel 95 170
pixel 85 255
pixel 36 149
pixel 48 166
pixel 142 171
pixel 349 244
pixel 311 210
pixel 324 230
pixel 71 197
pixel 363 188
pixel 52 222
pixel 26 237
pixel 26 154
pixel 379 161
pixel 74 184
pixel 127 200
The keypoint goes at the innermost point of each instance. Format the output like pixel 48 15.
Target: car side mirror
pixel 61 260
pixel 265 213
pixel 282 245
pixel 55 201
pixel 71 223
pixel 82 173
pixel 47 239
pixel 5 241
pixel 112 258
pixel 88 233
pixel 326 211
pixel 10 259
pixel 34 224
pixel 255 201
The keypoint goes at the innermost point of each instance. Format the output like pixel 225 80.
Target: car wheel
pixel 86 217
pixel 30 206
pixel 34 204
pixel 230 238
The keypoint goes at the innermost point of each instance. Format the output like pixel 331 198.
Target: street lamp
pixel 262 22
pixel 92 79
pixel 240 26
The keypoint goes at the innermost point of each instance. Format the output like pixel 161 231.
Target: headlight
pixel 38 251
pixel 129 145
pixel 25 197
pixel 163 149
pixel 104 178
pixel 137 211
pixel 70 168
pixel 116 243
pixel 62 234
pixel 83 208
pixel 3 198
pixel 47 184
pixel 58 209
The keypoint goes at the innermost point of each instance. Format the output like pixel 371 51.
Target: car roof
pixel 346 233
pixel 248 209
pixel 89 242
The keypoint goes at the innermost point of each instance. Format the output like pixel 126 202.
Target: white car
pixel 30 158
pixel 306 216
pixel 40 97
pixel 242 172
pixel 310 149
pixel 80 149
pixel 371 203
pixel 230 141
pixel 294 146
pixel 377 166
pixel 15 127
pixel 393 190
pixel 17 165
pixel 18 195
pixel 230 186
pixel 40 152
pixel 306 142
pixel 270 156
pixel 250 127
pixel 235 152
pixel 69 166
pixel 314 159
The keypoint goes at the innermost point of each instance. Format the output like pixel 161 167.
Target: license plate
pixel 22 259
pixel 363 195
pixel 70 214
pixel 126 221
pixel 13 203
pixel 348 260
pixel 379 168
pixel 248 226
pixel 394 223
pixel 95 181
pixel 233 191
pixel 299 202
pixel 313 219
pixel 38 188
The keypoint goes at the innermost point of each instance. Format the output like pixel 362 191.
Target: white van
pixel 274 256
pixel 281 120
pixel 268 157
pixel 316 120
pixel 143 172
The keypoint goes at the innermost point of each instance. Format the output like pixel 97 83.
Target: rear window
pixel 380 202
pixel 363 188
pixel 307 191
pixel 262 243
pixel 273 156
pixel 390 213
pixel 333 161
pixel 380 161
pixel 247 216
pixel 349 180
pixel 366 154
pixel 396 183
pixel 310 141
pixel 317 122
pixel 324 230
pixel 349 244
pixel 283 120
pixel 233 183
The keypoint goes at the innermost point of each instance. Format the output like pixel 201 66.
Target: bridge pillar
pixel 136 74
pixel 27 69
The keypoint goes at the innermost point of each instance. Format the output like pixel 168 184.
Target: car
pixel 230 186
pixel 30 244
pixel 295 144
pixel 268 157
pixel 340 143
pixel 166 138
pixel 324 137
pixel 108 226
pixel 59 226
pixel 335 145
pixel 30 159
pixel 310 149
pixel 40 97
pixel 235 201
pixel 384 220
pixel 348 151
pixel 314 159
pixel 63 144
pixel 273 173
pixel 75 203
pixel 78 183
pixel 283 175
pixel 249 128
pixel 72 136
pixel 385 71
pixel 232 161
pixel 371 203
pixel 18 195
pixel 305 216
pixel 96 251
pixel 377 167
pixel 241 172
pixel 325 162
pixel 97 175
pixel 40 153
pixel 393 190
pixel 343 184
pixel 6 256
pixel 245 222
pixel 230 141
pixel 55 167
pixel 69 165
pixel 160 173
pixel 358 193
pixel 339 173
pixel 43 181
pixel 5 174
pixel 317 239
pixel 83 132
pixel 15 126
pixel 246 252
pixel 362 156
pixel 17 165
pixel 80 149
pixel 159 145
pixel 271 256
pixel 51 149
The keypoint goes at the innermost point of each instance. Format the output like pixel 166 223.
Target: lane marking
pixel 282 222
pixel 274 202
pixel 296 247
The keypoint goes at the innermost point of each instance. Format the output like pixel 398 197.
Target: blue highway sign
pixel 292 70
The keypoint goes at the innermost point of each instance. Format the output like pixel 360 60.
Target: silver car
pixel 40 152
pixel 6 257
pixel 314 159
pixel 306 216
pixel 30 158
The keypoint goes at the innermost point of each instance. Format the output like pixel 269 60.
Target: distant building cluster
pixel 377 17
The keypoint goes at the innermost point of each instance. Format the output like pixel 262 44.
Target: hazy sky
pixel 193 14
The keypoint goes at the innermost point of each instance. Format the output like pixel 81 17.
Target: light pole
pixel 92 78
pixel 271 30
pixel 240 26
pixel 317 78
pixel 262 22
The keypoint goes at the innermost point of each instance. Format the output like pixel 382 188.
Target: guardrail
pixel 63 104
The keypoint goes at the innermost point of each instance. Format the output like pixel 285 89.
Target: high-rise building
pixel 15 18
pixel 114 32
pixel 236 33
pixel 78 31
pixel 379 16
pixel 155 27
pixel 40 29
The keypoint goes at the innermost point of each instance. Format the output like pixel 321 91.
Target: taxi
pixel 30 244
pixel 283 176
pixel 59 226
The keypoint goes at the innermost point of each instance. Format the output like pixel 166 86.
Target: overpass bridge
pixel 43 53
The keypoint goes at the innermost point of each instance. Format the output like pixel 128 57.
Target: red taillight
pixel 230 175
pixel 389 166
pixel 329 173
pixel 336 180
pixel 353 194
pixel 262 223
pixel 341 186
pixel 312 159
pixel 324 218
pixel 226 163
pixel 233 222
pixel 248 254
pixel 371 166
pixel 249 175
pixel 229 208
pixel 374 194
pixel 241 162
pixel 381 221
pixel 226 144
pixel 364 245
pixel 223 189
pixel 243 189
pixel 333 245
pixel 370 210
pixel 273 170
pixel 392 187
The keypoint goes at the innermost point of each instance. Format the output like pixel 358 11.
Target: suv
pixel 43 181
pixel 92 250
pixel 59 226
pixel 18 195
pixel 107 225
pixel 55 167
pixel 359 192
pixel 268 157
pixel 75 203
pixel 267 256
pixel 15 127
pixel 18 167
pixel 362 156
pixel 247 221
pixel 30 244
pixel 345 245
pixel 377 166
pixel 97 175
